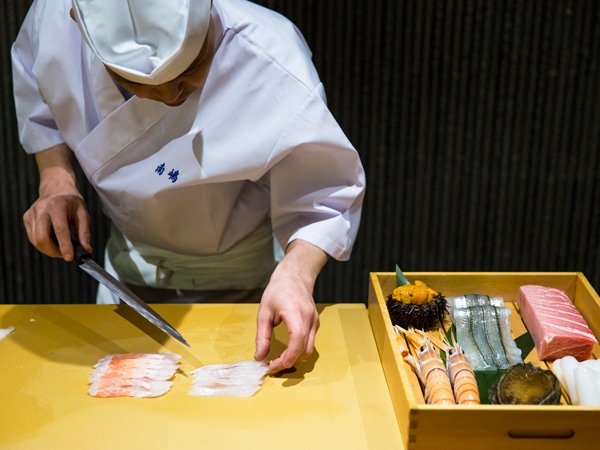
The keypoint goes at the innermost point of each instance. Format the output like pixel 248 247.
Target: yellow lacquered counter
pixel 338 398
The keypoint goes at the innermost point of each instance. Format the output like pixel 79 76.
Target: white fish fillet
pixel 5 331
pixel 133 375
pixel 240 379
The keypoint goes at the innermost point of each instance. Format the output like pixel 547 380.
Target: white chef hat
pixel 144 41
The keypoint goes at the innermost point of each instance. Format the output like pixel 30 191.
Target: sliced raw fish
pixel 133 375
pixel 493 337
pixel 581 380
pixel 139 358
pixel 240 379
pixel 236 390
pixel 469 300
pixel 465 335
pixel 483 331
pixel 136 372
pixel 480 331
pixel 122 387
pixel 513 353
pixel 5 331
pixel 587 381
pixel 556 326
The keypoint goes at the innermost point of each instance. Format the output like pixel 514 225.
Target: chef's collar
pixel 144 41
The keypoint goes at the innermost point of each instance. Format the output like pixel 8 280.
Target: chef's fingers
pixel 264 326
pixel 78 224
pixel 48 224
pixel 291 355
pixel 310 345
pixel 62 233
pixel 81 225
pixel 300 344
pixel 38 228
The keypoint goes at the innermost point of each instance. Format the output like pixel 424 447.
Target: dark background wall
pixel 478 122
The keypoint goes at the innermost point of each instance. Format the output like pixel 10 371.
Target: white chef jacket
pixel 255 144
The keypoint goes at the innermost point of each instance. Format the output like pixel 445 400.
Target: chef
pixel 204 129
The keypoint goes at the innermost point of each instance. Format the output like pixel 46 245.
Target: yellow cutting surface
pixel 338 398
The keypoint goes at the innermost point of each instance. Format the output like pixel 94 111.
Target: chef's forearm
pixel 56 167
pixel 303 260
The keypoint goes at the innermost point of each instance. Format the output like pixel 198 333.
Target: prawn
pixel 430 369
pixel 462 376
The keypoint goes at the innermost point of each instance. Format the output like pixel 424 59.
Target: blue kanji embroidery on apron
pixel 173 174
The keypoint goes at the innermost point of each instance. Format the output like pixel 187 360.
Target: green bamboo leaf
pixel 400 278
pixel 525 343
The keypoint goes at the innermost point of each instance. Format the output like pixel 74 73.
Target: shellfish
pixel 525 384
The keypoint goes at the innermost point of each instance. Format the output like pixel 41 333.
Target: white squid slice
pixel 581 379
pixel 240 379
pixel 587 382
pixel 566 368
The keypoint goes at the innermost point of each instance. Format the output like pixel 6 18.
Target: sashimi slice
pixel 245 390
pixel 466 337
pixel 139 358
pixel 513 353
pixel 129 388
pixel 133 375
pixel 581 380
pixel 249 369
pixel 135 372
pixel 5 331
pixel 156 366
pixel 240 379
pixel 555 325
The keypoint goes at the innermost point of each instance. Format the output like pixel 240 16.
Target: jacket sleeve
pixel 37 129
pixel 317 188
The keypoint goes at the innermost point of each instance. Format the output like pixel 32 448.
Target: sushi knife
pixel 85 261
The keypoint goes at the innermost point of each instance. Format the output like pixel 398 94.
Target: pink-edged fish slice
pixel 85 262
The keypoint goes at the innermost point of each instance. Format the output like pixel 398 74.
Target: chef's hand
pixel 288 299
pixel 59 206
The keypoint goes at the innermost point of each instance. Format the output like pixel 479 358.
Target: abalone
pixel 525 384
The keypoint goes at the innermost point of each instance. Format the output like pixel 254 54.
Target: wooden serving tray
pixel 484 426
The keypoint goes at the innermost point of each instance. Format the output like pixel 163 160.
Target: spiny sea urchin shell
pixel 426 316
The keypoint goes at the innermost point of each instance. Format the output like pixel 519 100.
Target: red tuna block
pixel 555 325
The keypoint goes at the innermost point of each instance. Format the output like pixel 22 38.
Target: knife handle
pixel 80 253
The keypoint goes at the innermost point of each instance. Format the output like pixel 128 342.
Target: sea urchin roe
pixel 417 306
pixel 414 294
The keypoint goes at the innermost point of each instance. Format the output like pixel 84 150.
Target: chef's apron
pixel 134 165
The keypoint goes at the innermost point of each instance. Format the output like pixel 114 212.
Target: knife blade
pixel 85 262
